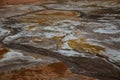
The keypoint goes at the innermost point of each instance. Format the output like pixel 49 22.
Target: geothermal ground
pixel 60 40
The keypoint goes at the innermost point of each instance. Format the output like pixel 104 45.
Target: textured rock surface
pixel 20 65
pixel 83 34
pixel 17 2
pixel 55 71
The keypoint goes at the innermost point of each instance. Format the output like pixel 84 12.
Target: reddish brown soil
pixel 3 51
pixel 55 71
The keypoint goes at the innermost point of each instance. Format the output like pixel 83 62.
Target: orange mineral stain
pixel 3 51
pixel 58 68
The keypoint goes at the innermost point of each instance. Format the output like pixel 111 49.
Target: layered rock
pixel 82 34
pixel 55 71
pixel 23 65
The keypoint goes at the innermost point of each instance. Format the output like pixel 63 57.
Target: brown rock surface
pixel 17 1
pixel 49 17
pixel 47 1
pixel 14 2
pixel 24 67
pixel 55 71
pixel 84 34
pixel 3 51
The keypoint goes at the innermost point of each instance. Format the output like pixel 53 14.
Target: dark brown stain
pixel 3 51
pixel 59 68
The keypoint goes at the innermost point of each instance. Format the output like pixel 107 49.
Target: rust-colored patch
pixel 82 46
pixel 54 71
pixel 35 73
pixel 60 13
pixel 3 51
pixel 48 17
pixel 59 68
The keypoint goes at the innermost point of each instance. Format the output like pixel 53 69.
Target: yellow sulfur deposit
pixel 82 46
